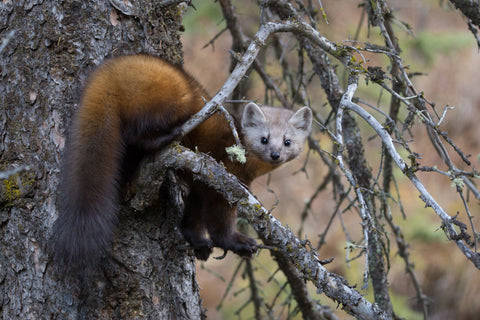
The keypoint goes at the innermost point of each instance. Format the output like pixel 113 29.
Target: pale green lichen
pixel 16 187
pixel 458 183
pixel 11 189
pixel 236 153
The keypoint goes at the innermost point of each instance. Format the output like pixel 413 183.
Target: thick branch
pixel 299 253
pixel 470 8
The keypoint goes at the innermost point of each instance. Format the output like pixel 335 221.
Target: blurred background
pixel 439 45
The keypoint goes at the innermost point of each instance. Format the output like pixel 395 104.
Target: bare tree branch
pixel 424 194
pixel 312 41
pixel 471 10
pixel 236 76
pixel 268 227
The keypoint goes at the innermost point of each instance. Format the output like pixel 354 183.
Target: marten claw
pixel 248 252
pixel 222 256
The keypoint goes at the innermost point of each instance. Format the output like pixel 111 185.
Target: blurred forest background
pixel 439 45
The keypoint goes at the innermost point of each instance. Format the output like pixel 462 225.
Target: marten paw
pixel 202 252
pixel 202 248
pixel 239 243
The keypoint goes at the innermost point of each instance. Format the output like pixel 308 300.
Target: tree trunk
pixel 42 70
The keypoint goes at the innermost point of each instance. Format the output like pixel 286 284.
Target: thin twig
pixel 424 194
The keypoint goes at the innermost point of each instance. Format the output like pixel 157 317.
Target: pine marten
pixel 133 105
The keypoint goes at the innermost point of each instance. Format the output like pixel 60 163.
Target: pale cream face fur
pixel 275 135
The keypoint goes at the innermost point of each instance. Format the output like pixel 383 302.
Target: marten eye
pixel 287 143
pixel 264 140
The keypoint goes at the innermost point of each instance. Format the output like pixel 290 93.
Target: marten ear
pixel 302 120
pixel 253 116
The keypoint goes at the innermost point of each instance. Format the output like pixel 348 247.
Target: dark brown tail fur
pixel 88 198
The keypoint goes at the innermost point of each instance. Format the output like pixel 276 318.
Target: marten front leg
pixel 193 223
pixel 220 219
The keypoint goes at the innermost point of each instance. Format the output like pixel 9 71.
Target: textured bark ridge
pixel 43 67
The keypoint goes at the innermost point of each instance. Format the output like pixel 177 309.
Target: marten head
pixel 275 135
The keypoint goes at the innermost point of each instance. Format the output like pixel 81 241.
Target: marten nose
pixel 275 155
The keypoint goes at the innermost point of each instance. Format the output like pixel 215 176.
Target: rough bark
pixel 42 69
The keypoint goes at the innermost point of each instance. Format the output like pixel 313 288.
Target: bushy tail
pixel 88 194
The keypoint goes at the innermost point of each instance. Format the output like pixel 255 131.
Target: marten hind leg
pixel 221 225
pixel 152 134
pixel 193 223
